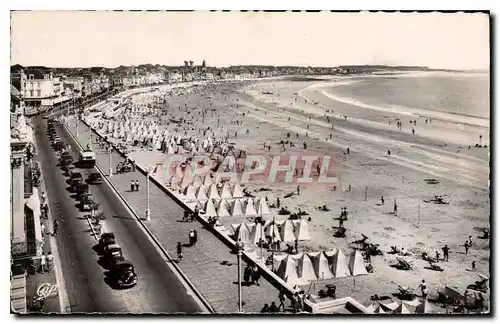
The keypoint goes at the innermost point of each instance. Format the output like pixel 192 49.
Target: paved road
pixel 158 290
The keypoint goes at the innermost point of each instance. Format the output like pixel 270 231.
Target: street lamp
pixel 239 247
pixel 110 170
pixel 148 211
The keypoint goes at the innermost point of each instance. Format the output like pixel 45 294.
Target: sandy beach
pixel 330 123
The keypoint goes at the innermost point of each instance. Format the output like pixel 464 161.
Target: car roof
pixel 125 263
pixel 114 246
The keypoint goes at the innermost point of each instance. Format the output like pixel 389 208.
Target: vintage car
pixel 86 202
pixel 78 186
pixel 112 254
pixel 107 239
pixel 94 178
pixel 122 275
pixel 75 177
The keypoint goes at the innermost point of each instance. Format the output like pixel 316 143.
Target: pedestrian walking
pixel 466 245
pixel 132 185
pixel 298 190
pixel 46 210
pixel 382 200
pixel 255 275
pixel 179 252
pixel 293 302
pixel 273 308
pixel 473 265
pixel 136 185
pixel 43 262
pixel 423 289
pixel 446 250
pixel 195 237
pixel 247 274
pixel 42 227
pixel 50 260
pixel 55 228
pixel 44 196
pixel 281 297
pixel 190 237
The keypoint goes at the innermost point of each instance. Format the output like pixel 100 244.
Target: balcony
pixel 28 180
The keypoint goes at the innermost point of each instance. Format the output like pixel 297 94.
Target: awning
pixel 33 203
pixel 60 99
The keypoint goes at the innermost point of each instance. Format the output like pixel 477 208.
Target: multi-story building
pixel 74 86
pixel 39 88
pixel 26 234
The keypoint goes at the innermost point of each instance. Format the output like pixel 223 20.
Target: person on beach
pixel 136 185
pixel 266 308
pixel 132 185
pixel 413 131
pixel 255 275
pixel 382 200
pixel 348 151
pixel 195 238
pixel 466 245
pixel 423 289
pixel 281 298
pixel 437 256
pixel 247 273
pixel 191 237
pixel 278 202
pixel 470 240
pixel 298 190
pixel 395 208
pixel 179 252
pixel 446 251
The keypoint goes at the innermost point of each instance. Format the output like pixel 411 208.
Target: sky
pixel 110 39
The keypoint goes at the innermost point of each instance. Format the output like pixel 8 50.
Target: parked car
pixel 112 254
pixel 107 239
pixel 79 186
pixel 122 275
pixel 86 202
pixel 75 176
pixel 94 178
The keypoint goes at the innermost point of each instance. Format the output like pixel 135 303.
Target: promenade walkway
pixel 202 263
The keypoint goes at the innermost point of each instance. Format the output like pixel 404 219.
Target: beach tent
pixel 226 191
pixel 262 207
pixel 197 181
pixel 187 177
pixel 423 308
pixel 287 269
pixel 207 181
pixel 320 264
pixel 305 268
pixel 258 233
pixel 209 208
pixel 339 265
pixel 237 192
pixel 236 208
pixel 212 191
pixel 202 193
pixel 389 307
pixel 272 231
pixel 401 309
pixel 249 208
pixel 190 192
pixel 222 210
pixel 243 232
pixel 287 232
pixel 376 308
pixel 357 264
pixel 301 230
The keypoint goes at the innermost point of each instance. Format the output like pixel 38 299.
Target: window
pixel 31 77
pixel 32 93
pixel 39 93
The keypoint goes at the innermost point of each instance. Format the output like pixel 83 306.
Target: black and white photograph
pixel 250 162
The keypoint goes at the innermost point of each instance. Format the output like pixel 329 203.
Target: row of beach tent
pixel 200 191
pixel 283 231
pixel 312 266
pixel 234 207
pixel 401 307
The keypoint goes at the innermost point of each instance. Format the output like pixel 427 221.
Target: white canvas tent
pixel 237 192
pixel 258 233
pixel 401 309
pixel 209 208
pixel 207 181
pixel 339 265
pixel 262 207
pixel 212 192
pixel 190 192
pixel 287 269
pixel 236 208
pixel 424 308
pixel 202 193
pixel 243 232
pixel 249 208
pixel 287 232
pixel 302 230
pixel 226 191
pixel 357 264
pixel 320 264
pixel 305 268
pixel 272 231
pixel 222 209
pixel 376 308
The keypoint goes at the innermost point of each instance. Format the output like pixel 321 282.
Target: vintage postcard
pixel 250 162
